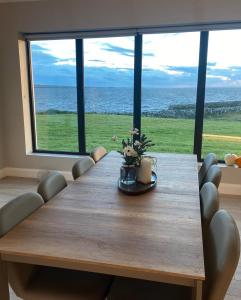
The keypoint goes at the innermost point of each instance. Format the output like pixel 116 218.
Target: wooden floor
pixel 11 187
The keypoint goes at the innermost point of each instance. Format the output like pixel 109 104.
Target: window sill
pixel 53 155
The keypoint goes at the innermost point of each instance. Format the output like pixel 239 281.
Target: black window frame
pixel 137 88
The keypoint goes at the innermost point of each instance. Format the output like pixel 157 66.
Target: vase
pixel 128 174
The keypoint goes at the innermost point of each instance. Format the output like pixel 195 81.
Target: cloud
pixel 149 54
pixel 103 68
pixel 60 49
pixel 96 60
pixel 71 62
pixel 40 57
pixel 211 64
pixel 117 49
pixel 225 78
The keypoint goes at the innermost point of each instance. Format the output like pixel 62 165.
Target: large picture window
pixel 108 89
pixel 54 95
pixel 169 82
pixel 222 126
pixel 86 90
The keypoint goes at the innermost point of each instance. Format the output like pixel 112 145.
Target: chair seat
pixel 62 284
pixel 135 289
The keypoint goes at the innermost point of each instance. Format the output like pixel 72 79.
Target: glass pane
pixel 169 80
pixel 55 97
pixel 109 64
pixel 222 126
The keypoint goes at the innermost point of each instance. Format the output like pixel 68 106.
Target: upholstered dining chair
pixel 209 200
pixel 31 282
pixel 221 259
pixel 210 159
pixel 98 153
pixel 214 175
pixel 39 282
pixel 51 184
pixel 221 256
pixel 81 166
pixel 17 210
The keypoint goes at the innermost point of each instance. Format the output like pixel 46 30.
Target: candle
pixel 145 170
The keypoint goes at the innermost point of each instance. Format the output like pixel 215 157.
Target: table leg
pixel 4 291
pixel 197 290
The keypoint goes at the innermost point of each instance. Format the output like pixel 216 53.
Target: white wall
pixel 59 15
pixel 1 110
pixel 1 136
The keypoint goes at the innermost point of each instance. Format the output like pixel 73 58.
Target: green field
pixel 59 132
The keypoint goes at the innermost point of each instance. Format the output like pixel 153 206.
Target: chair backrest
pixel 17 210
pixel 98 153
pixel 210 159
pixel 51 184
pixel 214 175
pixel 221 255
pixel 209 204
pixel 81 166
pixel 12 214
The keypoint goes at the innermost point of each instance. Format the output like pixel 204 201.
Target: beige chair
pixel 17 210
pixel 222 255
pixel 210 159
pixel 209 204
pixel 214 175
pixel 221 259
pixel 51 184
pixel 40 283
pixel 31 282
pixel 98 153
pixel 81 166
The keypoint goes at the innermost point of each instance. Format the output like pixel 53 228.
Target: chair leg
pixel 4 290
pixel 197 290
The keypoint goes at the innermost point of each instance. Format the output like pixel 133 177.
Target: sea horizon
pixel 119 100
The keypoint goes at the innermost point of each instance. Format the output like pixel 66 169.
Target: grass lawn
pixel 59 132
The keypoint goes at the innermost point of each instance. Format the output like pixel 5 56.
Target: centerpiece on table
pixel 136 166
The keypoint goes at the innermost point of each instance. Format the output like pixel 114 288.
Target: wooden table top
pixel 94 227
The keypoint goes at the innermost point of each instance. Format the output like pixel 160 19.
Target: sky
pixel 169 60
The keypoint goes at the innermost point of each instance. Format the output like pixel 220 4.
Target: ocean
pixel 120 100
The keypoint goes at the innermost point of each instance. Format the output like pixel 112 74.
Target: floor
pixel 11 187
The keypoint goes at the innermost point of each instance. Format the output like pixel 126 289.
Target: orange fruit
pixel 238 161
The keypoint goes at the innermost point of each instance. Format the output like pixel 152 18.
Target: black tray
pixel 138 188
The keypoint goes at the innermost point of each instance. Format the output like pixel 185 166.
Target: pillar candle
pixel 145 170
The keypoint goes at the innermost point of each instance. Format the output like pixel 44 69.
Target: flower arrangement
pixel 134 147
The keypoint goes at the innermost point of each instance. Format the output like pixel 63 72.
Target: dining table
pixel 92 226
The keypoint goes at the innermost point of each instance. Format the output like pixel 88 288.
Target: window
pixel 169 81
pixel 54 93
pixel 222 126
pixel 108 73
pixel 87 90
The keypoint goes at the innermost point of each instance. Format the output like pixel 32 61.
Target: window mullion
pixel 200 101
pixel 80 94
pixel 137 82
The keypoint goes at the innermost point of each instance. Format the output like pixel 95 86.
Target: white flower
pixel 129 151
pixel 114 138
pixel 132 132
pixel 135 131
